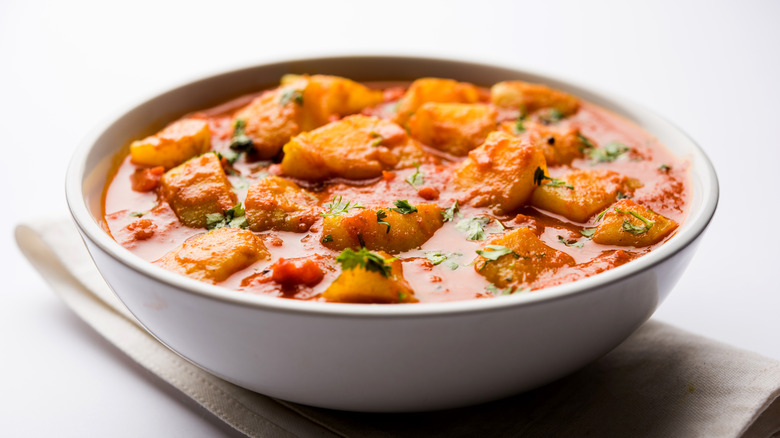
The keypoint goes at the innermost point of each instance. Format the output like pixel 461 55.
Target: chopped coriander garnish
pixel 415 179
pixel 139 213
pixel 232 218
pixel 552 116
pixel 540 176
pixel 403 207
pixel 449 214
pixel 380 216
pixel 365 259
pixel 452 265
pixel 636 229
pixel 586 142
pixel 496 291
pixel 519 125
pixel 474 227
pixel 326 239
pixel 437 257
pixel 610 152
pixel 621 195
pixel 230 155
pixel 587 232
pixel 338 206
pixel 601 215
pixel 240 141
pixel 291 95
pixel 378 139
pixel 496 251
pixel 571 242
pixel 664 167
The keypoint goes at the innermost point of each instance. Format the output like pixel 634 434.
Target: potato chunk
pixel 530 260
pixel 300 104
pixel 620 227
pixel 361 285
pixel 592 192
pixel 196 188
pixel 273 118
pixel 178 142
pixel 434 90
pixel 528 97
pixel 500 172
pixel 407 231
pixel 216 255
pixel 356 147
pixel 455 128
pixel 274 203
pixel 559 147
pixel 328 97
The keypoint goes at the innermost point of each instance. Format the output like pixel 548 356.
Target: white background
pixel 711 67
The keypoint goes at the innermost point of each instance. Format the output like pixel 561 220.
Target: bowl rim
pixel 88 225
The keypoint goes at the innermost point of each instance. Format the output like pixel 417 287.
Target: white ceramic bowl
pixel 373 357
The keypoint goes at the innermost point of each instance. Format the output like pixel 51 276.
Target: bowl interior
pixel 92 162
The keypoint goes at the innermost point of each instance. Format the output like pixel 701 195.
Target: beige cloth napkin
pixel 661 382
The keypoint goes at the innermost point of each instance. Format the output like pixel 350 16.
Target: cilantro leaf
pixel 571 242
pixel 365 259
pixel 415 179
pixel 519 125
pixel 540 176
pixel 338 206
pixel 496 252
pixel 449 214
pixel 291 95
pixel 403 207
pixel 587 232
pixel 437 257
pixel 609 153
pixel 378 139
pixel 474 227
pixel 234 217
pixel 326 239
pixel 240 141
pixel 586 143
pixel 635 229
pixel 507 291
pixel 380 216
pixel 552 116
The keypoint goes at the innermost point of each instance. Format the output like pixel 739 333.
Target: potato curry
pixel 327 189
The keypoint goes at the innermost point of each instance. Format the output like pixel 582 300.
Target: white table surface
pixel 713 68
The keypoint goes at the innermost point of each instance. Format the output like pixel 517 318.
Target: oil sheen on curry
pixel 327 189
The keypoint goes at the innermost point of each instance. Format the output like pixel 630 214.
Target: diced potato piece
pixel 407 231
pixel 434 90
pixel 216 255
pixel 274 203
pixel 196 188
pixel 500 172
pixel 359 285
pixel 300 104
pixel 594 190
pixel 625 229
pixel 530 97
pixel 329 97
pixel 455 128
pixel 178 142
pixel 532 259
pixel 559 147
pixel 356 147
pixel 273 118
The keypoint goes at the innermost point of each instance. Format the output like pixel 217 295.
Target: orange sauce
pixel 665 192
